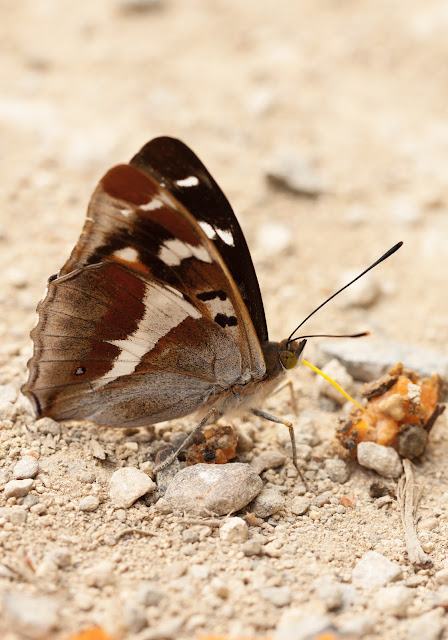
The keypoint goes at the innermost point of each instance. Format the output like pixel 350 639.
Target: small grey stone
pixel 394 599
pixel 304 451
pixel 47 425
pixel 383 460
pixel 374 570
pixel 291 171
pixel 138 6
pixel 234 530
pixel 97 450
pixel 18 488
pixel 149 594
pixel 100 574
pixel 268 460
pixel 428 626
pixel 268 502
pixel 27 467
pixel 441 577
pixel 4 477
pixel 278 596
pixel 30 500
pixel 89 503
pixel 299 624
pixel 358 626
pixel 371 358
pixel 330 592
pixel 33 616
pixel 134 616
pixel 221 489
pixel 300 505
pixel 127 485
pixel 18 515
pixel 251 548
pixel 337 470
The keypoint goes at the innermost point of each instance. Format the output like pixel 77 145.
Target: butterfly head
pixel 291 353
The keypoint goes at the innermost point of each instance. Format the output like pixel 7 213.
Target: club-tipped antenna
pixel 383 257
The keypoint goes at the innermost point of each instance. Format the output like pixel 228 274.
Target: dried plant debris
pixel 213 444
pixel 400 412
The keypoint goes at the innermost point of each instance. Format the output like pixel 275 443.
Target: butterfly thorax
pixel 279 357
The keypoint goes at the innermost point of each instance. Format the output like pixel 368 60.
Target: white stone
pixel 221 489
pixel 383 460
pixel 300 505
pixel 428 626
pixel 278 596
pixel 27 467
pixel 395 599
pixel 234 530
pixel 101 574
pixel 18 488
pixel 89 503
pixel 274 237
pixel 127 485
pixel 300 624
pixel 31 616
pixel 374 570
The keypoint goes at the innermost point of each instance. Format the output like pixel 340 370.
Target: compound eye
pixel 288 359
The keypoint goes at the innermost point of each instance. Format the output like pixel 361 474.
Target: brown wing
pixel 144 310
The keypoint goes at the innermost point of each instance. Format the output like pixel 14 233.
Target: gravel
pixel 27 467
pixel 383 460
pixel 127 485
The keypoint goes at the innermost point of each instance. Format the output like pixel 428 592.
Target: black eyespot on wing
pixel 225 321
pixel 80 371
pixel 211 295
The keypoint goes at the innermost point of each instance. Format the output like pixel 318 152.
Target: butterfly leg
pixel 170 459
pixel 288 383
pixel 272 418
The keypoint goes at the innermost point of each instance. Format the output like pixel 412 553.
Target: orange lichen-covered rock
pixel 401 410
pixel 213 445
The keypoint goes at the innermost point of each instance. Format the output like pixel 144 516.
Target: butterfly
pixel 157 313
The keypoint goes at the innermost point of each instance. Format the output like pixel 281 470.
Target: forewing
pixel 172 163
pixel 144 310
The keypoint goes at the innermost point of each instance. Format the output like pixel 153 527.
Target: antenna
pixel 384 257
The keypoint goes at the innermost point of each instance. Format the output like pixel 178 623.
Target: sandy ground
pixel 357 89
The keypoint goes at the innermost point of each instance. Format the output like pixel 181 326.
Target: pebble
pixel 278 596
pixel 100 574
pixel 251 548
pixel 289 170
pixel 268 502
pixel 371 358
pixel 339 374
pixel 18 515
pixel 383 460
pixel 127 485
pixel 89 503
pixel 300 505
pixel 298 624
pixel 268 460
pixel 18 488
pixel 4 476
pixel 134 616
pixel 428 626
pixel 138 6
pixel 363 293
pixel 357 626
pixel 221 489
pixel 337 470
pixel 27 467
pixel 149 595
pixel 441 577
pixel 394 599
pixel 274 237
pixel 234 530
pixel 48 425
pixel 166 630
pixel 97 450
pixel 31 616
pixel 330 592
pixel 374 570
pixel 8 395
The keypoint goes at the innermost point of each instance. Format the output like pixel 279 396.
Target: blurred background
pixel 324 121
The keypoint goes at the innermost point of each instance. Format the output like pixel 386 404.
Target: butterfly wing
pixel 144 322
pixel 173 164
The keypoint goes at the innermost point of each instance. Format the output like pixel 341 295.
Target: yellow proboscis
pixel 335 384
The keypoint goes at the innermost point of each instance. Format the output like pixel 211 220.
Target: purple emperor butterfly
pixel 157 313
